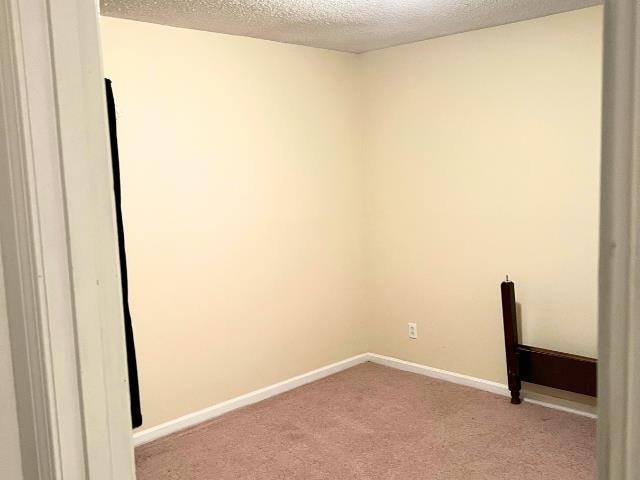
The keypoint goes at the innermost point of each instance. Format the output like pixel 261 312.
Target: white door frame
pixel 619 288
pixel 61 260
pixel 59 244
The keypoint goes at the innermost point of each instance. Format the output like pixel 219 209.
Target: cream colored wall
pixel 482 154
pixel 287 207
pixel 243 210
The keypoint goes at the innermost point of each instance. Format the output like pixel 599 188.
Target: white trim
pixel 458 378
pixel 192 419
pixel 186 421
pixel 33 236
pixel 619 277
pixel 59 244
pixel 550 403
pixel 93 247
pixel 478 383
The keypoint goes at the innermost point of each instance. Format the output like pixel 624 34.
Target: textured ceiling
pixel 349 25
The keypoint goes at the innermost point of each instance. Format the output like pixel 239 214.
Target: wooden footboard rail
pixel 538 365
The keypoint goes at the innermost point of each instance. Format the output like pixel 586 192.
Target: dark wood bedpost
pixel 511 338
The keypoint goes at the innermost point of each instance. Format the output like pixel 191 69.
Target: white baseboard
pixel 480 384
pixel 452 377
pixel 186 421
pixel 562 405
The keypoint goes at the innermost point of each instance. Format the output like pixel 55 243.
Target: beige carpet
pixel 373 422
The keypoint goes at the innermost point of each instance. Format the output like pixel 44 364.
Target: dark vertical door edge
pixel 134 390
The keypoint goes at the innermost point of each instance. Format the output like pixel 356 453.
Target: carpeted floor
pixel 372 422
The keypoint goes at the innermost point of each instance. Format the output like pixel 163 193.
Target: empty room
pixel 359 240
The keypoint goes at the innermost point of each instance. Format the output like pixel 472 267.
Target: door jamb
pixel 619 275
pixel 59 244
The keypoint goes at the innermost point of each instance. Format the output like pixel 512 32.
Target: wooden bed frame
pixel 538 365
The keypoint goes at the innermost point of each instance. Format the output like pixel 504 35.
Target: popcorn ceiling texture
pixel 348 25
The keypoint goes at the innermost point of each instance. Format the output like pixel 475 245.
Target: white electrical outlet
pixel 413 330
